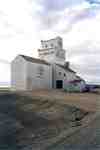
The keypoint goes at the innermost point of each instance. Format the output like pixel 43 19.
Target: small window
pixel 51 44
pixel 46 46
pixel 59 73
pixel 64 75
pixel 60 43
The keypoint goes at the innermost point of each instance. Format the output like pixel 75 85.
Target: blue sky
pixel 23 23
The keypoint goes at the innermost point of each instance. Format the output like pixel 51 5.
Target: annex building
pixel 49 71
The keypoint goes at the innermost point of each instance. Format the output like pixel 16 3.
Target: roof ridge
pixel 34 60
pixel 66 68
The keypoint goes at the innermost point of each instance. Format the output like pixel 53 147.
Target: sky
pixel 23 23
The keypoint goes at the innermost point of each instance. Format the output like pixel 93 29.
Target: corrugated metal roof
pixel 34 60
pixel 66 68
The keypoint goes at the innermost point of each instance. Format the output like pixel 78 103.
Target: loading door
pixel 59 84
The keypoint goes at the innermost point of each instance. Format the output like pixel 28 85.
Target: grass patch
pixel 5 89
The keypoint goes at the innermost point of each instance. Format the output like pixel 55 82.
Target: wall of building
pixel 53 43
pixel 53 56
pixel 39 76
pixel 47 54
pixel 18 74
pixel 64 75
pixel 76 87
pixel 67 77
pixel 26 75
pixel 52 51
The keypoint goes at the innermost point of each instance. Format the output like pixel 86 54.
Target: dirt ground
pixel 86 101
pixel 45 115
pixel 40 116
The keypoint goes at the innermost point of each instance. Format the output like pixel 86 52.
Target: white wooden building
pixel 49 71
pixel 29 73
pixel 52 51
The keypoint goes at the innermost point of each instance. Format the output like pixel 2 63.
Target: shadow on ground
pixel 27 123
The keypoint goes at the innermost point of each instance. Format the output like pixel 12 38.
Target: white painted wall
pixel 37 81
pixel 18 74
pixel 69 75
pixel 25 75
pixel 48 57
pixel 53 43
pixel 57 57
pixel 52 51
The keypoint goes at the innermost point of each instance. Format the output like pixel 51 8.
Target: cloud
pixel 53 5
pixel 87 47
pixel 15 18
pixel 93 1
pixel 79 26
pixel 4 61
pixel 50 12
pixel 75 16
pixel 87 66
pixel 4 73
pixel 23 23
pixel 86 61
pixel 63 19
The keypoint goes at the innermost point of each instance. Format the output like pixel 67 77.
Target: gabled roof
pixel 66 68
pixel 34 60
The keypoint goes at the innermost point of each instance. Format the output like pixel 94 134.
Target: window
pixel 40 71
pixel 51 44
pixel 60 43
pixel 59 84
pixel 46 46
pixel 64 75
pixel 59 73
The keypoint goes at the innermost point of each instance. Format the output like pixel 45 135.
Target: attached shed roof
pixel 66 68
pixel 78 77
pixel 75 81
pixel 34 60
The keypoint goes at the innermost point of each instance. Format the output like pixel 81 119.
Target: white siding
pixel 69 76
pixel 18 73
pixel 53 43
pixel 52 51
pixel 36 80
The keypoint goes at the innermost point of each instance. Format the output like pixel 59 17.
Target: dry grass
pixel 43 118
pixel 41 115
pixel 86 101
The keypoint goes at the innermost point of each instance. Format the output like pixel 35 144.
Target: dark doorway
pixel 59 84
